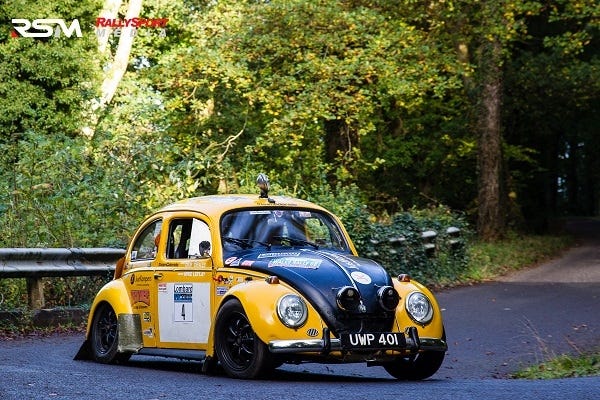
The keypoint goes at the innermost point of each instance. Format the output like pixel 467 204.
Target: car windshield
pixel 247 229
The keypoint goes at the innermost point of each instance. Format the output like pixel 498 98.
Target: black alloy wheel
pixel 241 353
pixel 104 336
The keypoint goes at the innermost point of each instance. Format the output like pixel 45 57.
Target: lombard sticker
pixel 295 262
pixel 280 254
pixel 361 277
pixel 183 302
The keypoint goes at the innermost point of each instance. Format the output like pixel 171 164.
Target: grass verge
pixel 563 366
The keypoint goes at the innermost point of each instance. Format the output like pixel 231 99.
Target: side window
pixel 146 244
pixel 317 232
pixel 185 236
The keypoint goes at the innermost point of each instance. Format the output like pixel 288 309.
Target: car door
pixel 183 282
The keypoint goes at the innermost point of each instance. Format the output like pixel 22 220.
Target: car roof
pixel 214 205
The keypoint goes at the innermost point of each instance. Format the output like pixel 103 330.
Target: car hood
pixel 318 275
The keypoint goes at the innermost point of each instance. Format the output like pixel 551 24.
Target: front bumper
pixel 326 344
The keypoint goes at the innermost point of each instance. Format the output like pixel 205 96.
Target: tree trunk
pixel 491 223
pixel 119 64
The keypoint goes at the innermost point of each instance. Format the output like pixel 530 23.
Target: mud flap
pixel 85 351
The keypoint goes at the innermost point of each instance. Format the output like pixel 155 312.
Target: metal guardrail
pixel 37 263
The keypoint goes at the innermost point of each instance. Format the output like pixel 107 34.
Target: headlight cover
pixel 419 308
pixel 292 310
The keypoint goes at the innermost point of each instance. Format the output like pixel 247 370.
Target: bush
pixel 397 242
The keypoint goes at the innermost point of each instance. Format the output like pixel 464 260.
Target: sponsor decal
pixel 162 288
pixel 342 259
pixel 221 290
pixel 183 304
pixel 139 279
pixel 361 277
pixel 247 263
pixel 190 273
pixel 147 317
pixel 312 332
pixel 295 262
pixel 280 254
pixel 224 280
pixel 230 260
pixel 148 332
pixel 140 296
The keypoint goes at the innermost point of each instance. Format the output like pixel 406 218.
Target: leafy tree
pixel 45 85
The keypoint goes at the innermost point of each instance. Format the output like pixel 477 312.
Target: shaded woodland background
pixel 487 109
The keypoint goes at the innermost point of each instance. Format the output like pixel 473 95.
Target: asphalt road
pixel 493 329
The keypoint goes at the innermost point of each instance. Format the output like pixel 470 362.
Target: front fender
pixel 435 329
pixel 259 299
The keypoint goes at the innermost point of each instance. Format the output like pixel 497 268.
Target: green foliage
pixel 13 294
pixel 488 260
pixel 44 84
pixel 399 244
pixel 563 366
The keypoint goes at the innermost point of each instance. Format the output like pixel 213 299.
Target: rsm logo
pixel 46 27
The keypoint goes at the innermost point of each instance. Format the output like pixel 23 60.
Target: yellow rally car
pixel 250 282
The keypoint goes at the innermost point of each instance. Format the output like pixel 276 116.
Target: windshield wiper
pixel 245 243
pixel 295 241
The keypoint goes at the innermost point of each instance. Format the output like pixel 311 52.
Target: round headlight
pixel 419 308
pixel 292 311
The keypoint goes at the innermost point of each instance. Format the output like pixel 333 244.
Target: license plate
pixel 373 340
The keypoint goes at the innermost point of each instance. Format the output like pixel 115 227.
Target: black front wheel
pixel 104 336
pixel 417 367
pixel 241 353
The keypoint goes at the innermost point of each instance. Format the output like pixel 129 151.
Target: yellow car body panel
pixel 255 295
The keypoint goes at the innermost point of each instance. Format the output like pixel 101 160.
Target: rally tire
pixel 240 352
pixel 417 367
pixel 104 336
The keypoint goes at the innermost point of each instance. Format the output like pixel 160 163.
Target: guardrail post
pixel 428 238
pixel 454 235
pixel 35 292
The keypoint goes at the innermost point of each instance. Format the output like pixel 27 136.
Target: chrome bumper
pixel 325 345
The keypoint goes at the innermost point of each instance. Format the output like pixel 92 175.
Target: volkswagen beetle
pixel 250 282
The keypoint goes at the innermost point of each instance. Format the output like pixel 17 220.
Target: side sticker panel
pixel 184 312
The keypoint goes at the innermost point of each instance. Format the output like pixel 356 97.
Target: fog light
pixel 348 298
pixel 388 298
